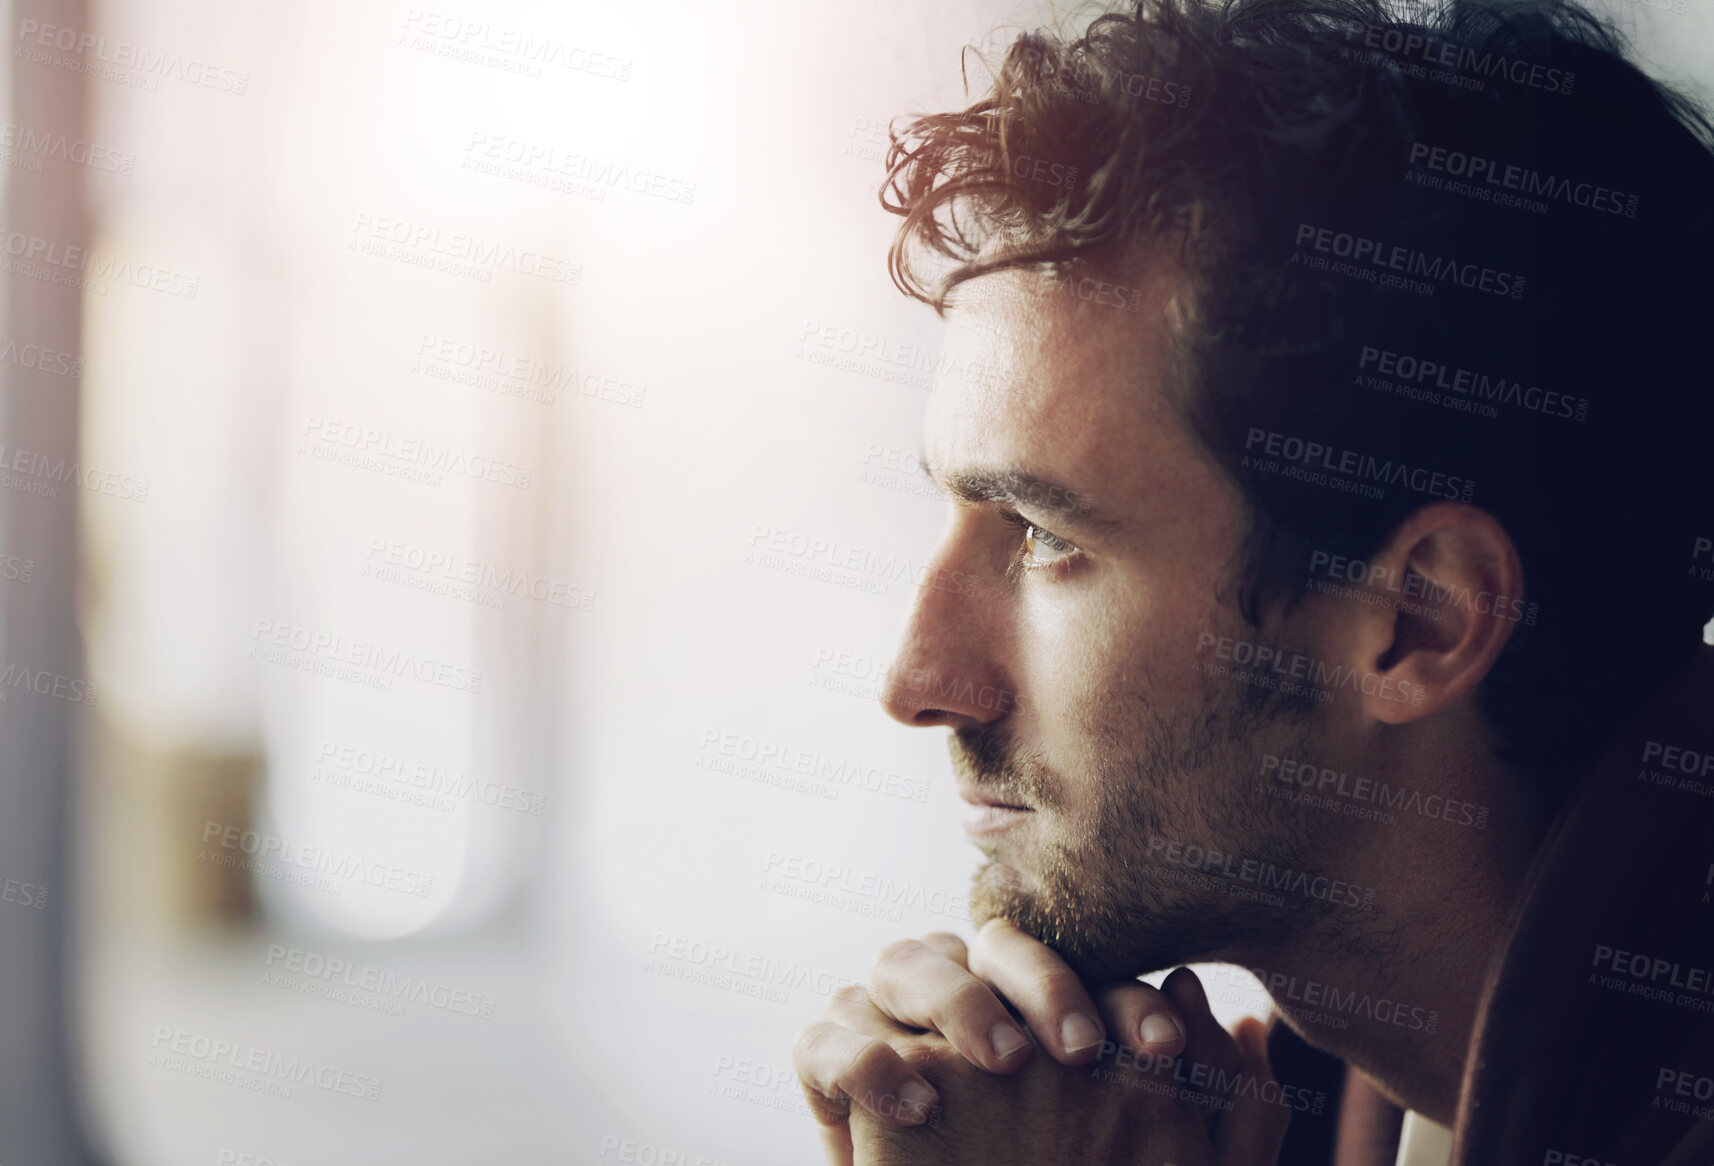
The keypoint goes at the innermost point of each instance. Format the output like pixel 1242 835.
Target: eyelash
pixel 1021 560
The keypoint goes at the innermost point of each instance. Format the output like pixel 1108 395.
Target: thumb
pixel 1251 1132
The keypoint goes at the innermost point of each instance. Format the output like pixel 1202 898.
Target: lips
pixel 991 811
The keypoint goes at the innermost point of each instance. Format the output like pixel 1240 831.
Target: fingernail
pixel 1078 1032
pixel 1160 1028
pixel 1007 1039
pixel 916 1098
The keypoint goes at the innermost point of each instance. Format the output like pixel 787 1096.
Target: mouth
pixel 991 812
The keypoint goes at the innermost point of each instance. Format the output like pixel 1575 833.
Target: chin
pixel 1102 937
pixel 1095 943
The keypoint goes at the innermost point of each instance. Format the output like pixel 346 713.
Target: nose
pixel 950 669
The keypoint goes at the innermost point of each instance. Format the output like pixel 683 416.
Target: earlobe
pixel 1449 583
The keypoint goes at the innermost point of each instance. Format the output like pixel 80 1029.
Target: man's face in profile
pixel 1093 540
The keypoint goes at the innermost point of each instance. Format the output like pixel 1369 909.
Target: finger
pixel 1042 987
pixel 1142 1018
pixel 837 1067
pixel 916 985
pixel 1251 1133
pixel 1208 1042
pixel 1211 1054
pixel 850 1007
pixel 948 945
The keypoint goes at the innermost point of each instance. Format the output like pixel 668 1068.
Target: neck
pixel 1395 991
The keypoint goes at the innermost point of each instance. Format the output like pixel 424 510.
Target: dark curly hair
pixel 1281 161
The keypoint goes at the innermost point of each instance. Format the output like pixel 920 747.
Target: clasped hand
pixel 996 1053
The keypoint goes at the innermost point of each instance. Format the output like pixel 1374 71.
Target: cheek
pixel 1093 662
pixel 1066 651
pixel 1081 667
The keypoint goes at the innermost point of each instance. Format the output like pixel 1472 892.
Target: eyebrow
pixel 1018 487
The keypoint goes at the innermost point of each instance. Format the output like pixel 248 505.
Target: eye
pixel 1040 548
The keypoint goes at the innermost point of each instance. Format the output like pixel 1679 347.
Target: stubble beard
pixel 1096 894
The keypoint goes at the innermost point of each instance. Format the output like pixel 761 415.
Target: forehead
pixel 1038 378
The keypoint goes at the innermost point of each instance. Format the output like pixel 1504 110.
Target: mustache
pixel 986 756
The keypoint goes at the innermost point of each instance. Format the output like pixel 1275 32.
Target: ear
pixel 1439 602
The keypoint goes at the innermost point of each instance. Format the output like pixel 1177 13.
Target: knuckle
pixel 1135 991
pixel 896 953
pixel 925 1058
pixel 807 1046
pixel 1062 989
pixel 873 1061
pixel 1131 1004
pixel 989 953
pixel 848 994
pixel 947 1069
pixel 971 997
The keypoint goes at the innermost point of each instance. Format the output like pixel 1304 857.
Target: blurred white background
pixel 531 511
